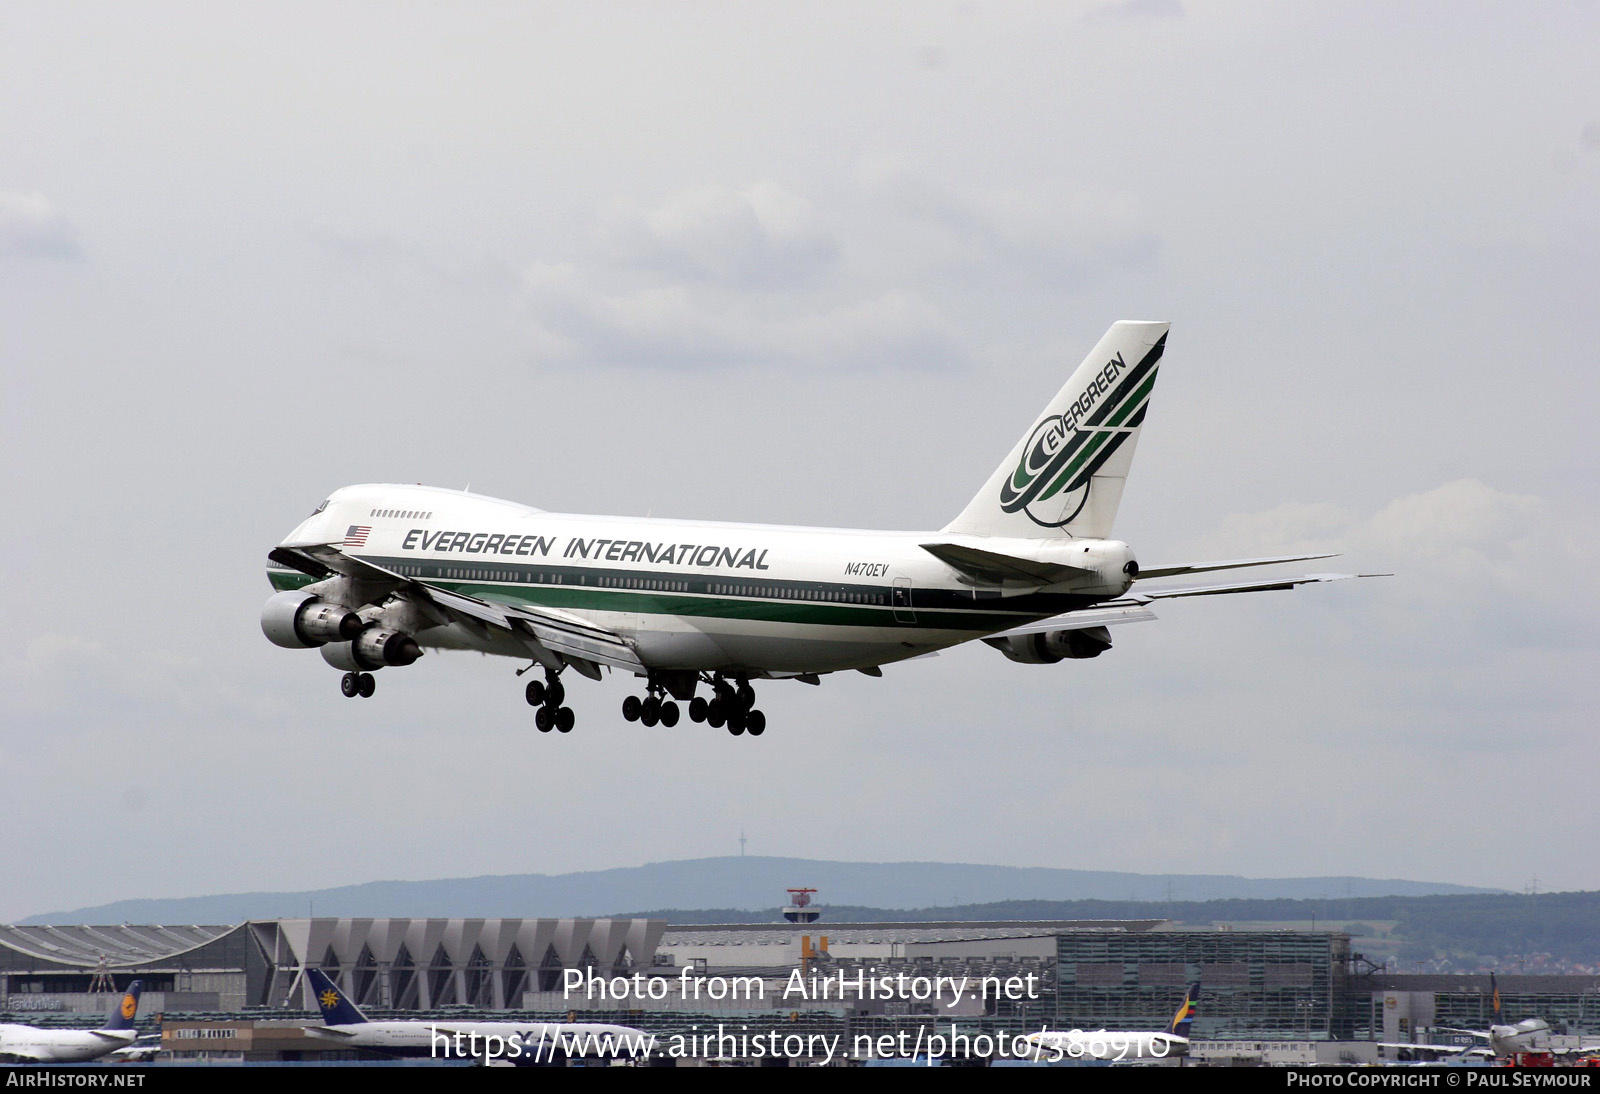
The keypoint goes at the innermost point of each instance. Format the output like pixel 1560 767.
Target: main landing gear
pixel 732 705
pixel 655 707
pixel 547 695
pixel 358 683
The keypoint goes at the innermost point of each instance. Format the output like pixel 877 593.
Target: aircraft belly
pixel 742 644
pixel 712 643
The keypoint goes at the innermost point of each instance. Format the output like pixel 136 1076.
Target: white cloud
pixel 760 237
pixel 693 326
pixel 31 227
pixel 1061 237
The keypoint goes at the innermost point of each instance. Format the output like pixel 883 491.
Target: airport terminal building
pixel 241 991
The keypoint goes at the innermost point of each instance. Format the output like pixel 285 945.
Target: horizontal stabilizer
pixel 993 568
pixel 1148 572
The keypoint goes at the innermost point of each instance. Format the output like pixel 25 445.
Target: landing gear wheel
pixel 715 715
pixel 652 712
pixel 632 708
pixel 669 714
pixel 736 724
pixel 349 686
pixel 565 720
pixel 535 693
pixel 756 723
pixel 555 693
pixel 545 720
pixel 746 696
pixel 366 685
pixel 697 709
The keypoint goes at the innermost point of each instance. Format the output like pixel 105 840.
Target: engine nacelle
pixel 1051 646
pixel 302 620
pixel 373 649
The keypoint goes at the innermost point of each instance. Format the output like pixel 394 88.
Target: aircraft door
pixel 900 598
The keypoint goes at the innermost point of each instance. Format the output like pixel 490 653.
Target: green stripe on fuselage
pixel 707 605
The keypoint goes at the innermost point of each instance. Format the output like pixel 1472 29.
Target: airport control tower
pixel 800 909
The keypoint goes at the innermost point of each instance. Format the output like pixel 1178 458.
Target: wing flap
pixel 1105 615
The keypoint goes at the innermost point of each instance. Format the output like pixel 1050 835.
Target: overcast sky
pixel 809 264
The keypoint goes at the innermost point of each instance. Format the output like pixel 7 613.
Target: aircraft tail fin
pixel 1184 1018
pixel 336 1008
pixel 127 1008
pixel 1065 476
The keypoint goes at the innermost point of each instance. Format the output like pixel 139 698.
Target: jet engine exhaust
pixel 301 620
pixel 1052 646
pixel 373 649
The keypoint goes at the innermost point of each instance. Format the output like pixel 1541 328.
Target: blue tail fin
pixel 122 1017
pixel 1184 1018
pixel 336 1009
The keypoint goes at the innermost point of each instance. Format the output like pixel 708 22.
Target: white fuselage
pixel 512 1042
pixel 699 595
pixel 1114 1045
pixel 1528 1035
pixel 60 1046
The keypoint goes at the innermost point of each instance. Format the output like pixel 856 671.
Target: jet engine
pixel 1051 646
pixel 302 620
pixel 372 649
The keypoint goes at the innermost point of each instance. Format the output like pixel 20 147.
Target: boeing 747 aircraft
pixel 527 1044
pixel 379 572
pixel 70 1046
pixel 1120 1046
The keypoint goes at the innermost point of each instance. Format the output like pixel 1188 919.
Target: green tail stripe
pixel 1085 454
pixel 1126 410
pixel 1130 407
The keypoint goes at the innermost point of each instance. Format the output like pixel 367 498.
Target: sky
pixel 812 264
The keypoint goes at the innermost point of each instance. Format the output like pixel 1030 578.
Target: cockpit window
pixel 321 507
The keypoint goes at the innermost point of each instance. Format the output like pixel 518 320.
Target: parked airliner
pixel 1121 1046
pixel 70 1046
pixel 518 1043
pixel 379 572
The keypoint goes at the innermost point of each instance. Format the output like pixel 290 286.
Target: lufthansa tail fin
pixel 127 1008
pixel 336 1009
pixel 1184 1018
pixel 1065 476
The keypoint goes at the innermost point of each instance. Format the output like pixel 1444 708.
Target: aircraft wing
pixel 1146 573
pixel 1160 593
pixel 1132 608
pixel 1453 1050
pixel 1103 615
pixel 563 633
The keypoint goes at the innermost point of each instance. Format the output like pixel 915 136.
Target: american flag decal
pixel 357 535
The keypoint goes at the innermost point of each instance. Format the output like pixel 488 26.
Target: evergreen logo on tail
pixel 1051 482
